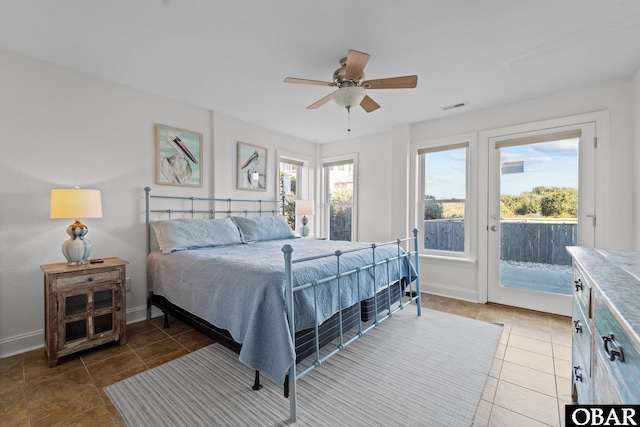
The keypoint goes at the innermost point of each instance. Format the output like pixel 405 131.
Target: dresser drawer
pixel 605 386
pixel 581 334
pixel 581 373
pixel 89 278
pixel 582 292
pixel 612 341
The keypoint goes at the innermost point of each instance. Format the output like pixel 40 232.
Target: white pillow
pixel 263 228
pixel 180 234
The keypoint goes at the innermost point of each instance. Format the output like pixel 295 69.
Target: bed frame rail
pixel 411 298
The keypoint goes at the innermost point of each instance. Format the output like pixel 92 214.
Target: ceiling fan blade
pixel 406 82
pixel 308 82
pixel 369 104
pixel 355 64
pixel 319 103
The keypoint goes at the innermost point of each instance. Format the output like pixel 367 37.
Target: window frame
pixel 418 200
pixel 326 205
pixel 303 177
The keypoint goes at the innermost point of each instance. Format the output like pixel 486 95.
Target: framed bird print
pixel 178 157
pixel 252 167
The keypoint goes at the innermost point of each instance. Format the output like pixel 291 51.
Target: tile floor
pixel 529 383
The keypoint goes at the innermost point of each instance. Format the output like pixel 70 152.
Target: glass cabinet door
pixel 87 313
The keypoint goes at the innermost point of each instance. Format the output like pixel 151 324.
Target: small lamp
pixel 76 203
pixel 304 208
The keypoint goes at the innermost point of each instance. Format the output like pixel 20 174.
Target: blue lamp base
pixel 304 230
pixel 77 249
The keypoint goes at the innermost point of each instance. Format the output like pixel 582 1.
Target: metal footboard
pixel 411 297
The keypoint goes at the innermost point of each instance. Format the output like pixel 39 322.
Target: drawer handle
pixel 90 279
pixel 578 284
pixel 577 374
pixel 615 350
pixel 578 326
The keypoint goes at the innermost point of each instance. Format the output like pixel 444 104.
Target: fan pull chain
pixel 348 118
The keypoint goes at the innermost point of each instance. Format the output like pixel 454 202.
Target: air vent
pixel 456 105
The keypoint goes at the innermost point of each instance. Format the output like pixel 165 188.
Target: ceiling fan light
pixel 349 96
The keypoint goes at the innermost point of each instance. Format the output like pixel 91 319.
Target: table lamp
pixel 76 203
pixel 304 208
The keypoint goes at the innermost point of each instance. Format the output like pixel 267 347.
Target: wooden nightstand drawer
pixel 89 278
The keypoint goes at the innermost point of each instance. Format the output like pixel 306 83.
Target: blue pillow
pixel 263 228
pixel 180 234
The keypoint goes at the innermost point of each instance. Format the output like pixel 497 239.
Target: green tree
pixel 553 202
pixel 560 203
pixel 432 210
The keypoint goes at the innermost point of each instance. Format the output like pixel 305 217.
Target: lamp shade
pixel 304 207
pixel 349 96
pixel 75 203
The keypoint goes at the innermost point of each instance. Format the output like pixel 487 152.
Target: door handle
pixel 493 228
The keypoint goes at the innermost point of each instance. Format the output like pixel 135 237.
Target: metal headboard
pixel 260 208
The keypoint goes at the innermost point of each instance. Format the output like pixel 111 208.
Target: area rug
pixel 409 371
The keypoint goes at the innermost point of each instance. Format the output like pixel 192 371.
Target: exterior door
pixel 541 199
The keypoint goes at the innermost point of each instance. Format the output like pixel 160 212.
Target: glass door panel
pixel 75 304
pixel 103 323
pixel 538 215
pixel 103 299
pixel 76 330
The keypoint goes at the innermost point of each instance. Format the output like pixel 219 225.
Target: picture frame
pixel 252 167
pixel 178 157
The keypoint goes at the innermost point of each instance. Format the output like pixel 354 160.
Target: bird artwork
pixel 255 179
pixel 176 168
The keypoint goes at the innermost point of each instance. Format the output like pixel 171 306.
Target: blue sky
pixel 545 164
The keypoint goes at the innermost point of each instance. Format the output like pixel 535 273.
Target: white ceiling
pixel 232 56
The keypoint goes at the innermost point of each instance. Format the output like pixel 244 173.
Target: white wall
pixel 615 202
pixel 61 128
pixel 374 183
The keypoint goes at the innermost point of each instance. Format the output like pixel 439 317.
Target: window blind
pixel 548 137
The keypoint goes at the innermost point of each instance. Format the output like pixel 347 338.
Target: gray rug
pixel 409 371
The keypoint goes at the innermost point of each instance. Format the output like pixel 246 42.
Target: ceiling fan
pixel 349 79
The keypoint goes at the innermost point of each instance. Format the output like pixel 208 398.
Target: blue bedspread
pixel 241 288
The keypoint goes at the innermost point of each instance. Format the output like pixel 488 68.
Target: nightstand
pixel 84 306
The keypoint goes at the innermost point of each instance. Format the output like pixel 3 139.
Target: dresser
pixel 84 306
pixel 606 326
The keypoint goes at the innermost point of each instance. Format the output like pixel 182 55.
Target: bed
pixel 283 303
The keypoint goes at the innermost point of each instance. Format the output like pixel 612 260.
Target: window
pixel 290 171
pixel 443 207
pixel 340 190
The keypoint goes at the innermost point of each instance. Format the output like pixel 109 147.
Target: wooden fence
pixel 540 242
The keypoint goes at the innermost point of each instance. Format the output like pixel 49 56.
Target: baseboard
pixel 449 292
pixel 21 343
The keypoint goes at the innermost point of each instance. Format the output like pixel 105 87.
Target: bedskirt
pixel 305 343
